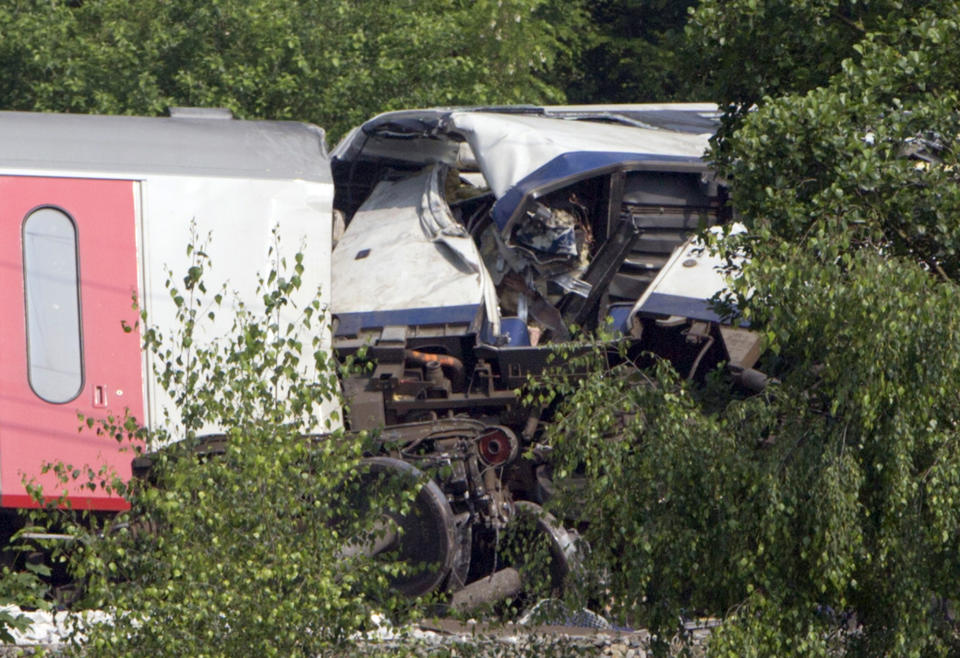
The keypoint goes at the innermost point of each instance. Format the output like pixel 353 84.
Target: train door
pixel 68 274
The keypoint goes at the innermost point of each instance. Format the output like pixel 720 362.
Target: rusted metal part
pixel 498 445
pixel 445 360
pixel 495 587
pixel 464 459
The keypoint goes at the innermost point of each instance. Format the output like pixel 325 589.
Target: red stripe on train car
pixel 114 504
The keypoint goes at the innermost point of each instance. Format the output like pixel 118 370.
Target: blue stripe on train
pixel 352 323
pixel 686 307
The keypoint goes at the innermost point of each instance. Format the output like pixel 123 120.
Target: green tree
pixel 332 62
pixel 831 500
pixel 868 160
pixel 637 51
pixel 749 49
pixel 236 544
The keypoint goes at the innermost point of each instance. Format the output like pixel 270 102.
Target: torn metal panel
pixel 687 283
pixel 510 144
pixel 510 147
pixel 442 228
pixel 403 260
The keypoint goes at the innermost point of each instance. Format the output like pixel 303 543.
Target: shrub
pixel 234 544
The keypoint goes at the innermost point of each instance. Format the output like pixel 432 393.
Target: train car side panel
pixel 69 263
pixel 245 226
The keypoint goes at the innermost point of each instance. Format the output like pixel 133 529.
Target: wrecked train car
pixel 499 231
pixel 469 240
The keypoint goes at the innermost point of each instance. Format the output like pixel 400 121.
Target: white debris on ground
pixel 47 630
pixel 45 627
pixel 581 632
pixel 386 633
pixel 51 627
pixel 50 630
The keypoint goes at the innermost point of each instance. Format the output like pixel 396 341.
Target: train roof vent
pixel 200 113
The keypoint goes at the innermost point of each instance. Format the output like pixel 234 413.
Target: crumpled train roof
pixel 523 147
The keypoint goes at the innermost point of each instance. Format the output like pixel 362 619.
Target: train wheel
pixel 541 549
pixel 426 540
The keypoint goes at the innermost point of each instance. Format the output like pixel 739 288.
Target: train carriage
pixel 94 213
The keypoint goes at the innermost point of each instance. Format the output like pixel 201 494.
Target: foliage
pixel 236 544
pixel 750 49
pixel 830 499
pixel 822 515
pixel 636 52
pixel 747 51
pixel 21 588
pixel 334 62
pixel 868 161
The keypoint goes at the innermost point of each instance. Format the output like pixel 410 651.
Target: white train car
pixel 94 212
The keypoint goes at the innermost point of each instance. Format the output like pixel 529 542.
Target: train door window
pixel 51 286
